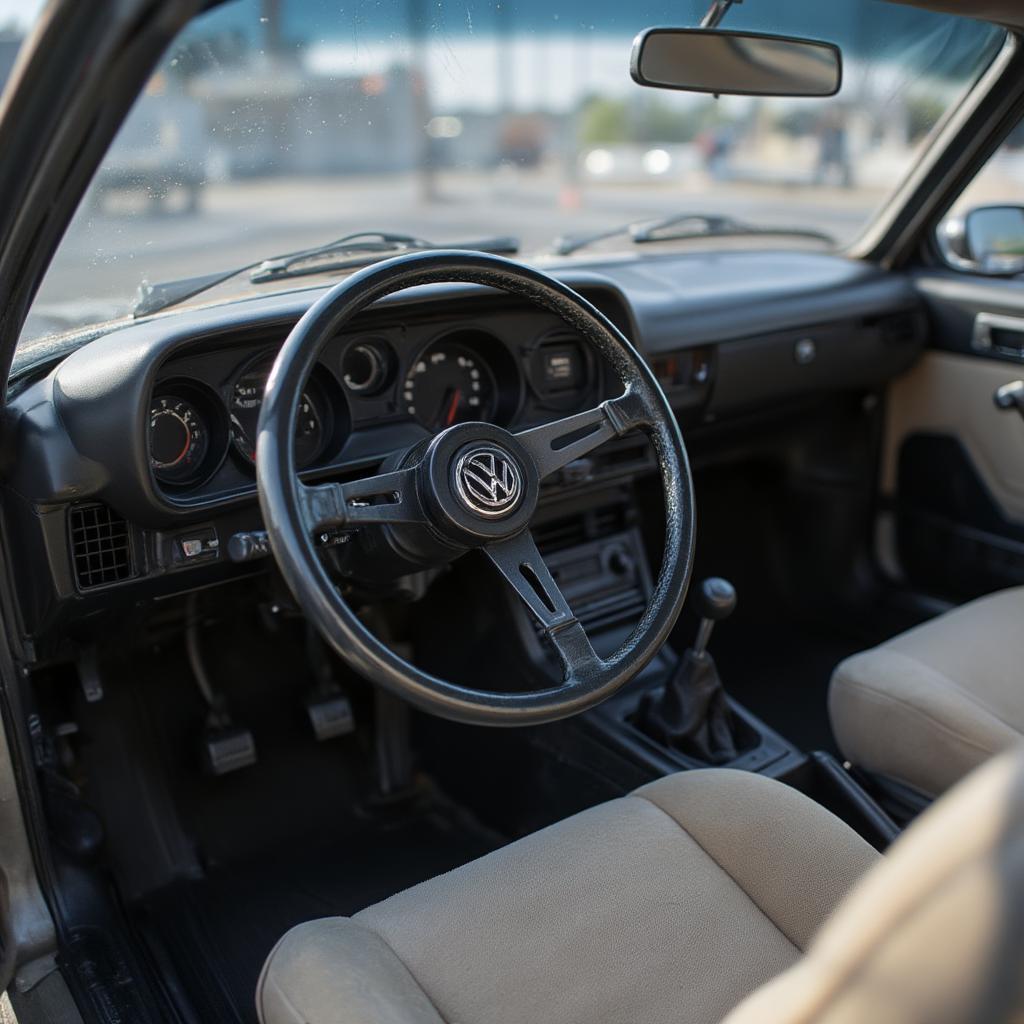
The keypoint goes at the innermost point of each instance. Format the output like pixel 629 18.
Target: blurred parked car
pixel 157 155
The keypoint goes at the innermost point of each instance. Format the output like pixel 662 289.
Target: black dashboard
pixel 134 469
pixel 393 381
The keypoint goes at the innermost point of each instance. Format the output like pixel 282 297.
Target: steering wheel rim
pixel 292 511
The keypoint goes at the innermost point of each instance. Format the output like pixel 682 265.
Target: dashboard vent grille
pixel 101 546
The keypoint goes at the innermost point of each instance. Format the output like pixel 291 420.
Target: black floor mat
pixel 216 933
pixel 781 672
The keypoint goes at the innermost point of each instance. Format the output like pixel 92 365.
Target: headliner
pixel 1002 12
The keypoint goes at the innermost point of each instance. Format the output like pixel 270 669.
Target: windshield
pixel 274 125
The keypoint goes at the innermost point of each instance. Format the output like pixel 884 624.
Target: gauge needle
pixel 453 408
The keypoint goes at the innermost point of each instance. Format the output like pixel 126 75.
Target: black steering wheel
pixel 474 485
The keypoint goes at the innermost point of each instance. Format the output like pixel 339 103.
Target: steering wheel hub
pixel 488 481
pixel 479 483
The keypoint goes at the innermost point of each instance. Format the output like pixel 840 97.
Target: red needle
pixel 453 408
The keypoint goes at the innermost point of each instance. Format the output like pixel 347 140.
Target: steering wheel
pixel 474 485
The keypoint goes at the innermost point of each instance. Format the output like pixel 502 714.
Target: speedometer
pixel 449 384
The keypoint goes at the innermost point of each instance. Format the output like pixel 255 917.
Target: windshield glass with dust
pixel 274 125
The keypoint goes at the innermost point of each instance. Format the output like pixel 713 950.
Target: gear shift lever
pixel 716 600
pixel 693 714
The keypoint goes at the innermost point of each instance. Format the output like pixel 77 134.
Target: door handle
pixel 1000 335
pixel 1010 396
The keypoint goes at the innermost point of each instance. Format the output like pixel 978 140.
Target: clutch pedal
pixel 227 748
pixel 328 708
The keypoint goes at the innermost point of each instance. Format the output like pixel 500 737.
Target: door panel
pixel 951 395
pixel 953 463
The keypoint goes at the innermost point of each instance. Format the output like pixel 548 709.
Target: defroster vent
pixel 101 546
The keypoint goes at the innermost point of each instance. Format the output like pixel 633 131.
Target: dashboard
pixel 131 477
pixel 399 380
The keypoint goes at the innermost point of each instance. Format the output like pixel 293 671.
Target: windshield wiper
pixel 683 226
pixel 356 250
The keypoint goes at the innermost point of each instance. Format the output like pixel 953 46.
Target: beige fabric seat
pixel 933 703
pixel 674 903
pixel 668 905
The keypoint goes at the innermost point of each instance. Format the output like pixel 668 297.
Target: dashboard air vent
pixel 101 546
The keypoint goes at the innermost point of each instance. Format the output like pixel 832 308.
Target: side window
pixel 984 231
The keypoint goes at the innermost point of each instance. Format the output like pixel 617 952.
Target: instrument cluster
pixel 203 416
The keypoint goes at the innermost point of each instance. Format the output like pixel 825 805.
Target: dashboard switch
pixel 201 546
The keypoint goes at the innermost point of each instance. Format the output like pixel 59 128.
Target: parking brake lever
pixel 1010 396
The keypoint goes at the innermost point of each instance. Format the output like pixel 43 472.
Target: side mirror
pixel 735 63
pixel 986 239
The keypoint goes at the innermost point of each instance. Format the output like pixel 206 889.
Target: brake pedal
pixel 330 715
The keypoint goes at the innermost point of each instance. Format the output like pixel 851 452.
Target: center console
pixel 677 714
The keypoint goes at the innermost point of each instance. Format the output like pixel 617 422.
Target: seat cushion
pixel 668 905
pixel 933 703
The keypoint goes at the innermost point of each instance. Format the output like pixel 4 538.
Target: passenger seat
pixel 925 708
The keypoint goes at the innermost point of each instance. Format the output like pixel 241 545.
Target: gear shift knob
pixel 714 600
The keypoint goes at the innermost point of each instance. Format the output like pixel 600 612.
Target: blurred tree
pixel 645 119
pixel 604 121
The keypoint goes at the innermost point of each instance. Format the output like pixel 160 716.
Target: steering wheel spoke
pixel 386 498
pixel 519 561
pixel 554 445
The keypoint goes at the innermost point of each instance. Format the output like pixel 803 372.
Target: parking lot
pixel 237 222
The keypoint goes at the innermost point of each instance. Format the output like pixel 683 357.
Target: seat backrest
pixel 934 934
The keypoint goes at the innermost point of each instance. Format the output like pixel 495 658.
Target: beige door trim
pixel 952 394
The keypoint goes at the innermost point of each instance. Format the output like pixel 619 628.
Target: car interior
pixel 411 632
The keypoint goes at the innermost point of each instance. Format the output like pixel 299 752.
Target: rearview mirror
pixel 735 63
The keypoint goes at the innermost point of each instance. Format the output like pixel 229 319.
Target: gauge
pixel 246 403
pixel 365 367
pixel 178 440
pixel 449 384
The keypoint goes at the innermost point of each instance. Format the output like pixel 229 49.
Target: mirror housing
pixel 986 239
pixel 735 63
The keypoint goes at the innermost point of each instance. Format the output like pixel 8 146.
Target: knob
pixel 715 599
pixel 247 547
pixel 621 562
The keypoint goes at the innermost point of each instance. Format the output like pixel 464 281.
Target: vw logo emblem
pixel 488 481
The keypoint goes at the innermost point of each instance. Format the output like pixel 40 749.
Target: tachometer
pixel 246 402
pixel 178 440
pixel 448 384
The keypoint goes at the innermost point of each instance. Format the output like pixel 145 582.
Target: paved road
pixel 107 253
